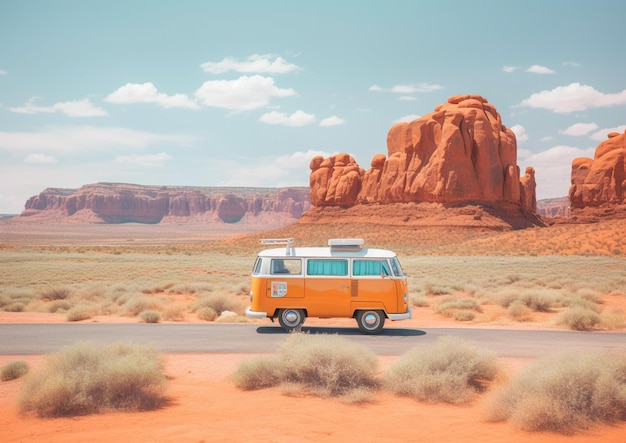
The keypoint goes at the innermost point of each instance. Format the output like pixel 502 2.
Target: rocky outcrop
pixel 121 203
pixel 461 152
pixel 601 180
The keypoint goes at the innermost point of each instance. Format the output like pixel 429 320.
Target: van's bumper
pixel 406 316
pixel 254 314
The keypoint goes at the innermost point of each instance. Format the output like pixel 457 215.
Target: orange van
pixel 344 279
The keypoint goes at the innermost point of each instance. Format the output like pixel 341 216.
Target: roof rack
pixel 279 241
pixel 345 244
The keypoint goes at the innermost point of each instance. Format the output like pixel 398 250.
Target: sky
pixel 246 93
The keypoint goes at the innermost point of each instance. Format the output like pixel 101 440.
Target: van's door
pixel 372 286
pixel 328 287
pixel 286 280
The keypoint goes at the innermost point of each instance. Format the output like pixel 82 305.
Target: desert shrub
pixel 519 311
pixel 80 312
pixel 13 370
pixel 220 302
pixel 259 373
pixel 464 315
pixel 150 316
pixel 579 318
pixel 14 307
pixel 174 312
pixel 55 293
pixel 135 305
pixel 325 365
pixel 563 393
pixel 541 301
pixel 613 319
pixel 58 305
pixel 84 379
pixel 207 314
pixel 419 301
pixel 450 307
pixel 451 371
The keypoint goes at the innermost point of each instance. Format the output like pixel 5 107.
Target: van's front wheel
pixel 291 319
pixel 370 322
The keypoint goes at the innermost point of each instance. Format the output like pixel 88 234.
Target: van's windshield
pixel 395 266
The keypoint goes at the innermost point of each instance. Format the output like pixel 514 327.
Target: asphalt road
pixel 23 339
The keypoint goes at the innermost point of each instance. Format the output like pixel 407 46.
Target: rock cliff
pixel 601 180
pixel 121 203
pixel 461 152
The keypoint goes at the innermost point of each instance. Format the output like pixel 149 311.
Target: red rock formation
pixel 120 203
pixel 461 152
pixel 603 179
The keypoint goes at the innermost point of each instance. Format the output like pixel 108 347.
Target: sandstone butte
pixel 121 203
pixel 601 180
pixel 459 153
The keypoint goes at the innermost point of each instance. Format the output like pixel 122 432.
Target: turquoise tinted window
pixel 327 267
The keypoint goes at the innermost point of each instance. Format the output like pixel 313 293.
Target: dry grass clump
pixel 451 371
pixel 55 293
pixel 85 379
pixel 13 370
pixel 137 304
pixel 324 365
pixel 579 318
pixel 462 309
pixel 564 393
pixel 150 316
pixel 81 312
pixel 219 302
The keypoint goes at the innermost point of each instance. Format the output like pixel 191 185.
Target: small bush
pixel 420 301
pixel 135 305
pixel 519 311
pixel 14 307
pixel 464 315
pixel 579 318
pixel 60 293
pixel 207 314
pixel 325 365
pixel 150 316
pixel 563 393
pixel 58 305
pixel 613 319
pixel 84 379
pixel 541 301
pixel 451 371
pixel 174 312
pixel 451 307
pixel 220 302
pixel 13 370
pixel 80 312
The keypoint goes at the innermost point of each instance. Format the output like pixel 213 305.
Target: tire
pixel 370 322
pixel 291 319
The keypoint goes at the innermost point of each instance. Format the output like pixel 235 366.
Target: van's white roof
pixel 323 252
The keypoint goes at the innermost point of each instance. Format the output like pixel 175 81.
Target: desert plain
pixel 176 265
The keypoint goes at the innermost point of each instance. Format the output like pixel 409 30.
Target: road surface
pixel 24 339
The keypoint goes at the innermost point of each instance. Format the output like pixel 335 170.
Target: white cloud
pixel 298 118
pixel 509 69
pixel 573 97
pixel 284 170
pixel 520 133
pixel 259 63
pixel 547 138
pixel 41 159
pixel 579 129
pixel 602 134
pixel 243 94
pixel 408 88
pixel 148 93
pixel 553 168
pixel 538 69
pixel 3 72
pixel 86 140
pixel 573 64
pixel 407 98
pixel 146 160
pixel 406 119
pixel 76 108
pixel 332 121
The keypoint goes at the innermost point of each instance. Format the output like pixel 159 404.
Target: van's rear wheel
pixel 370 322
pixel 291 319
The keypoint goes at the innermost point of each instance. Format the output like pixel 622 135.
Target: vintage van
pixel 344 279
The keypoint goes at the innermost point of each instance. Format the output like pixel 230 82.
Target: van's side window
pixel 286 266
pixel 370 267
pixel 327 267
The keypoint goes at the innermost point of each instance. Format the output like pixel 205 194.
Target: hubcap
pixel 370 319
pixel 291 316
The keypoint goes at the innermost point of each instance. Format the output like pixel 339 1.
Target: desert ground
pixel 205 404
